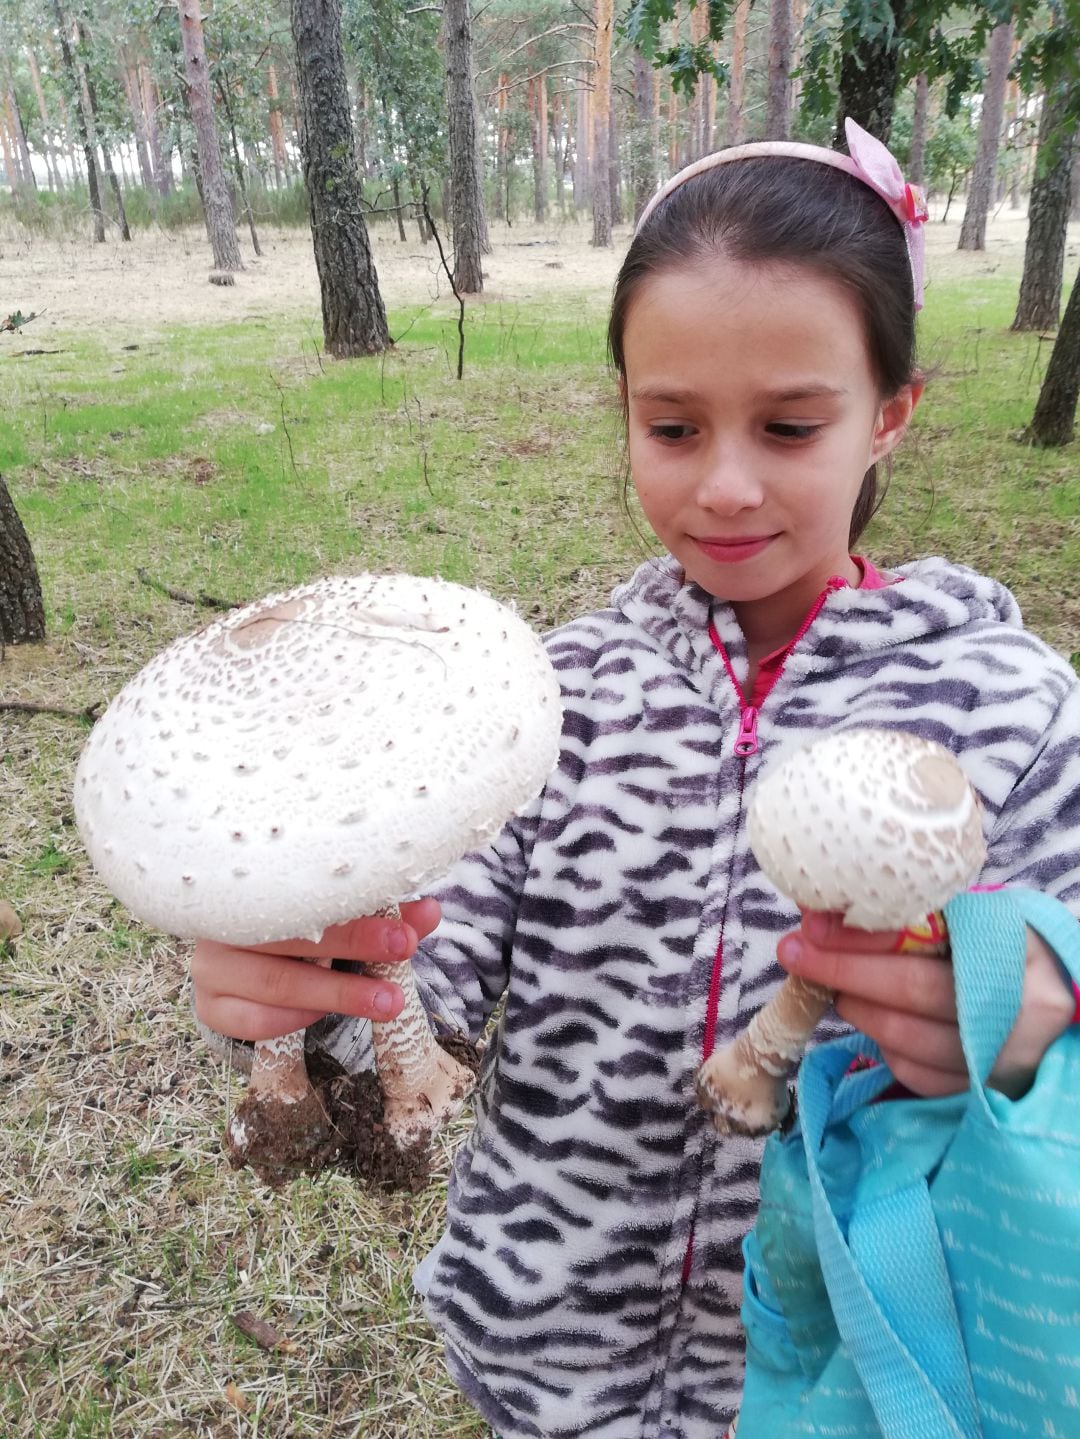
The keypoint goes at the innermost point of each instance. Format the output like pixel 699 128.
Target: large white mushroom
pixel 316 756
pixel 877 825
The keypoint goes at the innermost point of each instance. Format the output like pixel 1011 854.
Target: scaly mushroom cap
pixel 316 756
pixel 877 824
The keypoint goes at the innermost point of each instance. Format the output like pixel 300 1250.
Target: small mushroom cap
pixel 316 756
pixel 878 825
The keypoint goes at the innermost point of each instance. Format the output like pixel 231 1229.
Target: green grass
pixel 232 460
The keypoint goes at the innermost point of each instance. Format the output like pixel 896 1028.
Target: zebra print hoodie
pixel 589 1280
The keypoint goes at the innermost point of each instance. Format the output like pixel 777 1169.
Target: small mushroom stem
pixel 423 1087
pixel 280 1128
pixel 744 1087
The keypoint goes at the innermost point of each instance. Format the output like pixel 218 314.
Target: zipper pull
pixel 747 744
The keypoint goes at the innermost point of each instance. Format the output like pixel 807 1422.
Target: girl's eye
pixel 670 433
pixel 784 431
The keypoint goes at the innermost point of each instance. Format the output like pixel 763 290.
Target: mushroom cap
pixel 316 756
pixel 879 825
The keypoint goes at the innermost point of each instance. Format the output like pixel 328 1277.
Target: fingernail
pixel 383 1002
pixel 397 942
pixel 790 950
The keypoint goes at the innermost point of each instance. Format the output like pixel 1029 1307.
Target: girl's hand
pixel 906 1003
pixel 267 991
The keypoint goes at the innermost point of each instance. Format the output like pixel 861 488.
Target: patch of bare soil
pixel 161 277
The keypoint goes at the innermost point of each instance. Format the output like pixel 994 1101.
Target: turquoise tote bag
pixel 914 1272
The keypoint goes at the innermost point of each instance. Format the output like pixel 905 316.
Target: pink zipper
pixel 746 742
pixel 746 745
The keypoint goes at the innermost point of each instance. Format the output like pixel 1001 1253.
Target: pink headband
pixel 868 160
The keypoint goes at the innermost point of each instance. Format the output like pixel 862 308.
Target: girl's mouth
pixel 730 551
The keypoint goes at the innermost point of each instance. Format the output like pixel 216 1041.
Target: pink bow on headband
pixel 868 160
pixel 871 162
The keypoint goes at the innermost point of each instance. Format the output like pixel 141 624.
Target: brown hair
pixel 795 212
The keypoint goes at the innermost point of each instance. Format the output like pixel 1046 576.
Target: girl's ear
pixel 894 418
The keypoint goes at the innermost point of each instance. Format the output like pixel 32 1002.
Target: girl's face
pixel 753 415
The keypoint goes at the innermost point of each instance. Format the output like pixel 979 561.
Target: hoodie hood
pixel 936 597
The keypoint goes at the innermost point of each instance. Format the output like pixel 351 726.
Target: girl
pixel 763 335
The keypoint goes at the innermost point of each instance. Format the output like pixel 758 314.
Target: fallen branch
pixel 24 707
pixel 203 600
pixel 449 276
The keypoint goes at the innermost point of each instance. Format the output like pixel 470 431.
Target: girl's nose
pixel 729 482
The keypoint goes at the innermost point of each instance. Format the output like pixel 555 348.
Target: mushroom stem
pixel 744 1087
pixel 423 1087
pixel 280 1128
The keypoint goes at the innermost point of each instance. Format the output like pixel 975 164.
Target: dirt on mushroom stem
pixel 359 1144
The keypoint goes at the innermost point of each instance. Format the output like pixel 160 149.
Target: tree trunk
pixel 11 173
pixel 465 187
pixel 502 154
pixel 238 166
pixel 84 123
pixel 869 71
pixel 917 158
pixel 735 132
pixel 558 145
pixel 354 320
pixel 699 28
pixel 220 224
pixel 22 610
pixel 277 129
pixel 583 150
pixel 18 131
pixel 133 93
pixel 539 168
pixel 160 158
pixel 644 156
pixel 52 164
pixel 90 96
pixel 973 229
pixel 1039 304
pixel 1055 412
pixel 601 187
pixel 781 51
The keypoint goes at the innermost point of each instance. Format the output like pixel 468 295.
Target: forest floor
pixel 159 431
pixel 160 278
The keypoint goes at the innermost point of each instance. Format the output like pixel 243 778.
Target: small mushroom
pixel 878 825
pixel 312 757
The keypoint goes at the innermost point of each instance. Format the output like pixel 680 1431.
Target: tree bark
pixel 22 610
pixel 277 129
pixel 220 224
pixel 90 95
pixel 133 93
pixel 601 107
pixel 644 155
pixel 1039 303
pixel 869 72
pixel 917 159
pixel 1055 413
pixel 781 51
pixel 84 123
pixel 734 129
pixel 160 158
pixel 465 187
pixel 18 131
pixel 981 190
pixel 354 319
pixel 238 165
pixel 52 164
pixel 582 150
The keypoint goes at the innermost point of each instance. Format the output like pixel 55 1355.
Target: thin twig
pixel 209 602
pixel 449 276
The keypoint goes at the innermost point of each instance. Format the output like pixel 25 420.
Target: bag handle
pixel 910 1400
pixel 989 943
pixel 912 1359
